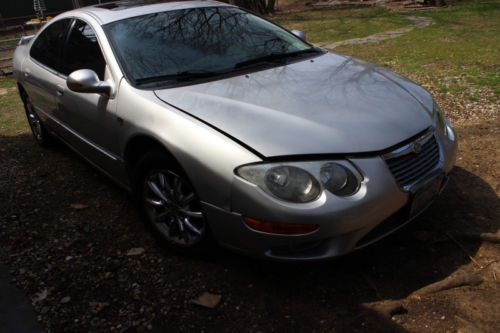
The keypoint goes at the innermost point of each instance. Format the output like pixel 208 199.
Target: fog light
pixel 280 228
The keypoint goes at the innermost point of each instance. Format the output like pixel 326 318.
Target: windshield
pixel 198 42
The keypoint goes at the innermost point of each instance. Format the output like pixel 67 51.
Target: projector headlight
pixel 301 182
pixel 442 123
pixel 439 118
pixel 338 179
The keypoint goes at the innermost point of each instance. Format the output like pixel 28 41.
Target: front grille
pixel 415 160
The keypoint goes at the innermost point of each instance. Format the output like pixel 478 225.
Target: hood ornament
pixel 417 147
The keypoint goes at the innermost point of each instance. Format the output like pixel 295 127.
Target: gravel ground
pixel 67 232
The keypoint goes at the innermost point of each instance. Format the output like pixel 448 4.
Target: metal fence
pixel 6 53
pixel 9 38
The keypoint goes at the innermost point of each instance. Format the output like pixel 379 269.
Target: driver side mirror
pixel 87 81
pixel 299 34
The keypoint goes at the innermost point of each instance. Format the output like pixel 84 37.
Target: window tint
pixel 83 51
pixel 47 47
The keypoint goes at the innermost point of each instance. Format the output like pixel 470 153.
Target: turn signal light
pixel 280 228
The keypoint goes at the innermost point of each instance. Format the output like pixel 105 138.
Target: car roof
pixel 119 10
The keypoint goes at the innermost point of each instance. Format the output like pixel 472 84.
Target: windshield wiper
pixel 272 58
pixel 179 76
pixel 275 58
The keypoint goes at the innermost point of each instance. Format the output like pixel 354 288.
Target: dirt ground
pixel 65 231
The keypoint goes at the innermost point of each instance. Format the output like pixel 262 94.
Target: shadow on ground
pixel 81 254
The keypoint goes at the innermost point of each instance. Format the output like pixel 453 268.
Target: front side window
pixel 160 47
pixel 47 47
pixel 82 51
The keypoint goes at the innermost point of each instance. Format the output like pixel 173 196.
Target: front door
pixel 90 117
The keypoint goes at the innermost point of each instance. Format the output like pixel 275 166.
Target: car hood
pixel 327 105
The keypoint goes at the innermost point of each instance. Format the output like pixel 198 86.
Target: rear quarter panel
pixel 20 55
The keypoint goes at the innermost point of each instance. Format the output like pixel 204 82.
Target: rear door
pixel 42 79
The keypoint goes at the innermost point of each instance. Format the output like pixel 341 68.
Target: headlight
pixel 442 123
pixel 450 133
pixel 292 184
pixel 289 183
pixel 301 182
pixel 338 179
pixel 439 118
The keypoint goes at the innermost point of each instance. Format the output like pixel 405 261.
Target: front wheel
pixel 170 204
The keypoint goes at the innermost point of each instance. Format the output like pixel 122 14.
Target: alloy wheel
pixel 174 208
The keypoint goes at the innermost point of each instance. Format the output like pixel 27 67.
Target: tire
pixel 170 205
pixel 40 133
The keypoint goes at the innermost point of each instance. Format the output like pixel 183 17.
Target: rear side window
pixel 82 51
pixel 46 48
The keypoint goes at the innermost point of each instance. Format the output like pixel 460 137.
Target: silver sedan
pixel 230 129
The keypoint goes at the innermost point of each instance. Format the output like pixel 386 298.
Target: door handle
pixel 59 91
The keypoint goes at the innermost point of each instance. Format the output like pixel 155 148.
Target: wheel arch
pixel 141 152
pixel 138 146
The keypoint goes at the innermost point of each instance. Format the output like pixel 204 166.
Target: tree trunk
pixel 258 6
pixel 270 6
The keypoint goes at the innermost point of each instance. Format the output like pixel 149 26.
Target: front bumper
pixel 345 223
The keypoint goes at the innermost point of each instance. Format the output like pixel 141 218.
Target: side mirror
pixel 87 81
pixel 299 34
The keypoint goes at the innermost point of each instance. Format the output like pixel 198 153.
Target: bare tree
pixel 209 31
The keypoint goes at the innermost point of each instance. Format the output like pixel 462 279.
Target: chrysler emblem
pixel 417 147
